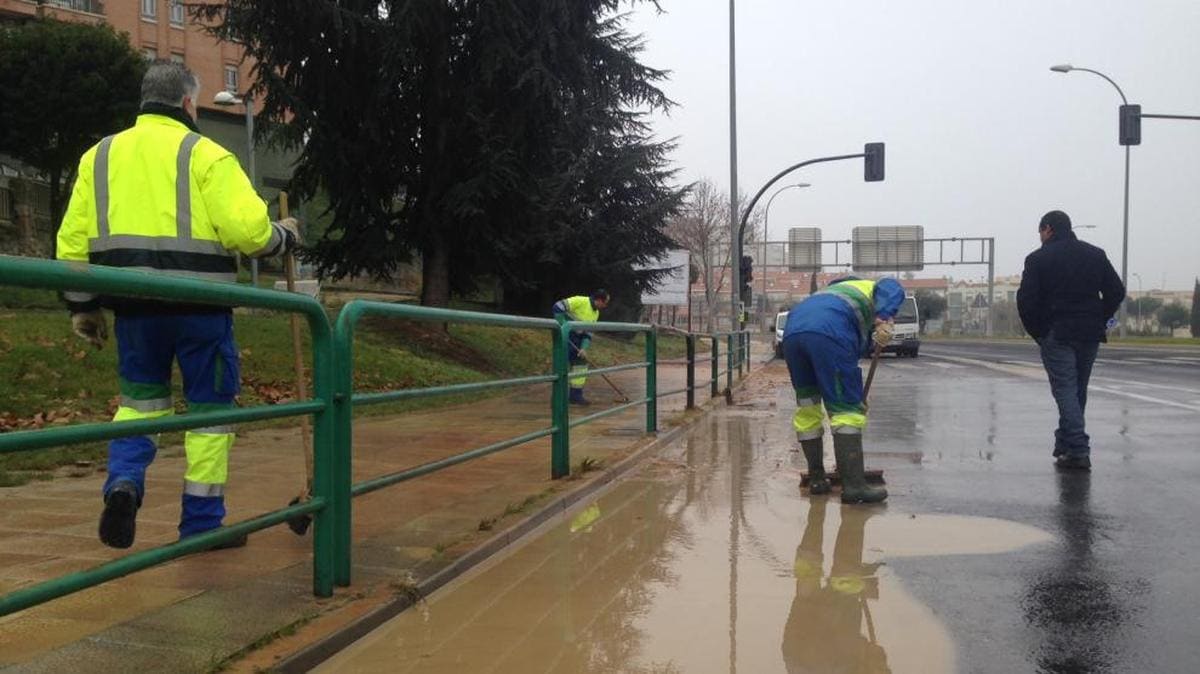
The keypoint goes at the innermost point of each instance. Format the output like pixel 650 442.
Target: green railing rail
pixel 332 407
pixel 63 276
pixel 345 399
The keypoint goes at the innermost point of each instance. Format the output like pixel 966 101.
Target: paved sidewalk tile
pixel 191 613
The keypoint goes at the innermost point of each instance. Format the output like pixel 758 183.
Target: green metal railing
pixel 345 400
pixel 63 276
pixel 332 407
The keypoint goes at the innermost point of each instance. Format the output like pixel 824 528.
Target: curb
pixel 314 654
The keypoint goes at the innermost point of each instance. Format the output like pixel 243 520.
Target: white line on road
pixel 1143 384
pixel 946 366
pixel 1037 374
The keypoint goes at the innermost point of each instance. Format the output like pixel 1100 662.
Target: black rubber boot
pixel 118 522
pixel 576 397
pixel 848 450
pixel 814 454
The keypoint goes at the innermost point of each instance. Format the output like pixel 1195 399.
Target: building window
pixel 176 12
pixel 177 58
pixel 231 79
pixel 150 53
pixel 149 9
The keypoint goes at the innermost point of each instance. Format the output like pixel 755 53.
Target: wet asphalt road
pixel 984 559
pixel 1117 590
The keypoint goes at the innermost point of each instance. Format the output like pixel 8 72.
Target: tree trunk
pixel 435 273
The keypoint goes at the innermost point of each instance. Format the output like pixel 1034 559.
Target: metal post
pixel 716 359
pixel 1125 241
pixel 691 372
pixel 741 354
pixel 651 381
pixel 248 103
pixel 340 478
pixel 991 323
pixel 729 361
pixel 560 443
pixel 735 239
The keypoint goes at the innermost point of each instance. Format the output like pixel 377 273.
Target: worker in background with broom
pixel 584 308
pixel 822 341
pixel 161 197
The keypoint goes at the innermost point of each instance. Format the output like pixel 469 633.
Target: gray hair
pixel 167 82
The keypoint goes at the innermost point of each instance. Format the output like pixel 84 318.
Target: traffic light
pixel 747 275
pixel 1130 125
pixel 873 162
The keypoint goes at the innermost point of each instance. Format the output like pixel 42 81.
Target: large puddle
pixel 708 560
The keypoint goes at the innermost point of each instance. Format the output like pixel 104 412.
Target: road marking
pixel 947 366
pixel 1036 374
pixel 1182 359
pixel 902 366
pixel 1165 387
pixel 1023 363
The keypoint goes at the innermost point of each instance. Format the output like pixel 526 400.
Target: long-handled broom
pixel 300 523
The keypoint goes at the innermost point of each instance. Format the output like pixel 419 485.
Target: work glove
pixel 883 332
pixel 91 326
pixel 289 228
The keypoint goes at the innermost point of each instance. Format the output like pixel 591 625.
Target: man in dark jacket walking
pixel 1069 291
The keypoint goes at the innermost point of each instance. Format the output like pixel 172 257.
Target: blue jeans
pixel 1069 365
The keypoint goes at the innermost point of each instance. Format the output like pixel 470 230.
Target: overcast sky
pixel 982 138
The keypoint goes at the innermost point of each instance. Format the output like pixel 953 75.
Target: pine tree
pixel 495 138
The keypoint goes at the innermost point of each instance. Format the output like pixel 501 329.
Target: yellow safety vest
pixel 579 308
pixel 160 197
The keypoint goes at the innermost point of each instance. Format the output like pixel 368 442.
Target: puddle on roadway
pixel 710 560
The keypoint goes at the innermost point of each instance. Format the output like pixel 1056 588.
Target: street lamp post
pixel 1066 68
pixel 228 99
pixel 1141 299
pixel 767 234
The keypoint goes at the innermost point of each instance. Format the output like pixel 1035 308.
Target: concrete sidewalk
pixel 194 613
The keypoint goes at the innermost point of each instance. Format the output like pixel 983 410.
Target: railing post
pixel 651 381
pixel 747 353
pixel 341 476
pixel 729 361
pixel 691 371
pixel 560 442
pixel 741 353
pixel 716 368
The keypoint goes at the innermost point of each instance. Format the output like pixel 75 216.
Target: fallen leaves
pixel 11 422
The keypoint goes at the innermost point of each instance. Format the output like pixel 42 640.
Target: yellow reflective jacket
pixel 160 197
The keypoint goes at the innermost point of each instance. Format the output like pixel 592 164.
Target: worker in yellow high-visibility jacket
pixel 582 308
pixel 162 198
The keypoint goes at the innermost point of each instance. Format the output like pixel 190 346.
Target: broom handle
pixel 289 264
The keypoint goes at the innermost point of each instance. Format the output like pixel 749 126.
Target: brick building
pixel 159 29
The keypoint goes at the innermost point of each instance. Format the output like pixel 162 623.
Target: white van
pixel 780 324
pixel 906 338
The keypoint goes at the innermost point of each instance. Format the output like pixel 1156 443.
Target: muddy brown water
pixel 708 559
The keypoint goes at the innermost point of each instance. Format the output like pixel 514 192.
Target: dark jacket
pixel 1068 287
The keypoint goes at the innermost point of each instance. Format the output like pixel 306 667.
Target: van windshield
pixel 908 311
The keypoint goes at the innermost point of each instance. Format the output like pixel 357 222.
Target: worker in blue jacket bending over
pixel 822 342
pixel 582 308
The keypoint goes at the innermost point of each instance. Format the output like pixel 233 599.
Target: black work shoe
pixel 118 522
pixel 1077 462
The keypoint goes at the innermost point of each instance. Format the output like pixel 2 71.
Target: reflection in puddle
pixel 710 560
